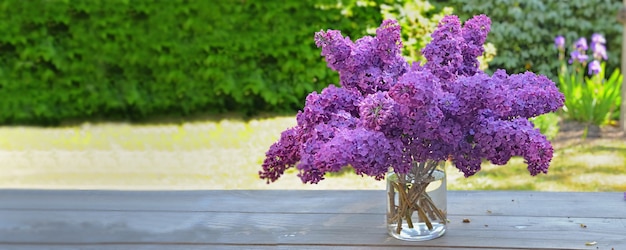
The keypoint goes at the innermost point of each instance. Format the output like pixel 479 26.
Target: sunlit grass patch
pixel 583 167
pixel 227 154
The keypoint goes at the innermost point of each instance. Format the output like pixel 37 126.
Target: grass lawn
pixel 227 153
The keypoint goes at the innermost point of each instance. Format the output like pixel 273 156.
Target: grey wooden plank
pixel 525 203
pixel 106 200
pixel 303 218
pixel 563 204
pixel 206 200
pixel 135 247
pixel 220 247
pixel 297 229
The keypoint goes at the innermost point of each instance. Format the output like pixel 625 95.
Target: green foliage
pixel 591 100
pixel 548 124
pixel 418 20
pixel 63 59
pixel 524 30
pixel 487 56
pixel 131 59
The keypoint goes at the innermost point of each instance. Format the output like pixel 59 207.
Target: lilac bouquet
pixel 388 114
pixel 389 117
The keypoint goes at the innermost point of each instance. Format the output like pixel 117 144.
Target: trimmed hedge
pixel 129 59
pixel 524 30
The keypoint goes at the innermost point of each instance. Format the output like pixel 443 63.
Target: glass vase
pixel 417 202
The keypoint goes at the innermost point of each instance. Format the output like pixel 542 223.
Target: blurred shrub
pixel 418 19
pixel 488 56
pixel 131 59
pixel 548 124
pixel 523 30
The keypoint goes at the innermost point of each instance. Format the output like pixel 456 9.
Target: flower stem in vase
pixel 412 212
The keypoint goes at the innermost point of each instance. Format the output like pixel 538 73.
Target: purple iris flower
pixel 594 67
pixel 559 42
pixel 598 38
pixel 599 51
pixel 581 44
pixel 598 46
pixel 576 56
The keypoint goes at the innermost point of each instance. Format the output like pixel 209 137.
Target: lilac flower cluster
pixel 370 64
pixel 387 114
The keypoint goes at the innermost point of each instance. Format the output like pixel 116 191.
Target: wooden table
pixel 61 219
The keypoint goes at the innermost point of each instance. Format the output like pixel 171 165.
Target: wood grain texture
pixel 41 219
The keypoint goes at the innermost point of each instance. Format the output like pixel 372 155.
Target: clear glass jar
pixel 417 202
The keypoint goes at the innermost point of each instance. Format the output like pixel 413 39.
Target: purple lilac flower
pixel 501 139
pixel 420 123
pixel 443 53
pixel 335 48
pixel 594 67
pixel 388 115
pixel 466 157
pixel 532 95
pixel 471 93
pixel 538 154
pixel 334 155
pixel 474 32
pixel 378 112
pixel 389 41
pixel 368 152
pixel 319 107
pixel 416 89
pixel 375 154
pixel 311 143
pixel 559 42
pixel 283 154
pixel 370 64
pixel 368 72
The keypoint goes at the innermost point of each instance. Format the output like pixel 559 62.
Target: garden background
pixel 189 94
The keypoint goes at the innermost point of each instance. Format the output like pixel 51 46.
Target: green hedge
pixel 129 59
pixel 523 31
